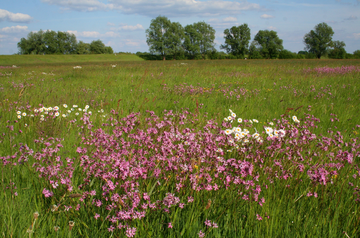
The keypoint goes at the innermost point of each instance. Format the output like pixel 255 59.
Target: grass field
pixel 151 149
pixel 42 60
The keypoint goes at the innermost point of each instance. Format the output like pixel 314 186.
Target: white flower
pixel 18 112
pixel 46 112
pixel 24 114
pixel 245 140
pixel 228 131
pixel 268 130
pixel 90 113
pixel 42 116
pixel 19 116
pixel 271 123
pixel 75 105
pixel 77 114
pixel 255 135
pixel 31 115
pixel 56 108
pixel 84 110
pixel 281 132
pixel 233 115
pixel 36 110
pixel 41 109
pixel 49 108
pixel 64 105
pixel 225 119
pixel 57 114
pixel 259 140
pixel 256 121
pixel 87 107
pixel 295 119
pixel 72 109
pixel 237 129
pixel 231 111
pixel 63 115
pixel 69 111
pixel 26 125
pixel 251 121
pixel 102 110
pixel 79 109
pixel 239 120
pixel 41 119
pixel 246 131
pixel 230 118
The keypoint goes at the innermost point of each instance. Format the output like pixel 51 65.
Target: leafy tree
pixel 286 54
pixel 268 43
pixel 83 48
pixel 254 52
pixel 97 47
pixel 318 41
pixel 356 54
pixel 199 39
pixel 109 50
pixel 174 39
pixel 237 40
pixel 338 51
pixel 157 36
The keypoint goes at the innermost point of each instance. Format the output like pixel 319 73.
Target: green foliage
pixel 268 43
pixel 237 40
pixel 97 47
pixel 254 52
pixel 199 39
pixel 338 51
pixel 286 54
pixel 356 54
pixel 319 40
pixel 83 48
pixel 48 42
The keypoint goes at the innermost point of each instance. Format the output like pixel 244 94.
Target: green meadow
pixel 310 188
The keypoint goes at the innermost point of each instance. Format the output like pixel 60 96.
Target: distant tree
pixel 83 48
pixel 268 43
pixel 109 50
pixel 34 44
pixel 199 39
pixel 254 52
pixel 286 54
pixel 174 39
pixel 97 47
pixel 157 36
pixel 237 40
pixel 319 40
pixel 66 43
pixel 356 54
pixel 338 51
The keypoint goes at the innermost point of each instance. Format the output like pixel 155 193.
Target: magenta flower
pixel 47 193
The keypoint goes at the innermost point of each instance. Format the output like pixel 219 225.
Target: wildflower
pixel 26 125
pixel 56 108
pixel 255 135
pixel 233 115
pixel 96 216
pixel 84 110
pixel 77 114
pixel 64 105
pixel 75 105
pixel 239 120
pixel 36 215
pixel 170 225
pixel 256 121
pixel 294 118
pixel 36 110
pixel 71 225
pixel 251 121
pixel 230 118
pixel 87 107
pixel 56 228
pixel 69 111
pixel 54 208
pixel 268 130
pixel 57 114
pixel 24 114
pixel 19 116
pixel 201 234
pixel 42 119
pixel 237 129
pixel 258 217
pixel 271 123
pixel 225 119
pixel 79 109
pixel 63 115
pixel 228 131
pixel 18 112
pixel 130 232
pixel 246 131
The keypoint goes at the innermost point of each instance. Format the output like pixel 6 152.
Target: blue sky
pixel 121 24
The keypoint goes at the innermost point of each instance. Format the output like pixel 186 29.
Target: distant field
pixel 21 60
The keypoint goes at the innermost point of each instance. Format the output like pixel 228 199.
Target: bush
pixel 286 54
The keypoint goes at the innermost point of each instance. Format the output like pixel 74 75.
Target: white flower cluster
pixel 77 67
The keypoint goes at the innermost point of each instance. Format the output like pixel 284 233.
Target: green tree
pixel 199 39
pixel 237 40
pixel 318 41
pixel 338 51
pixel 175 37
pixel 254 52
pixel 97 47
pixel 268 44
pixel 109 50
pixel 286 54
pixel 157 36
pixel 83 48
pixel 356 54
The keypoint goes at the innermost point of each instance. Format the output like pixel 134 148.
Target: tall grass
pixel 305 184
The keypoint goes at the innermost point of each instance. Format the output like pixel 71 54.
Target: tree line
pixel 170 40
pixel 52 42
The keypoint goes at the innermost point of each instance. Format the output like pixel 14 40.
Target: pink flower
pixel 170 225
pixel 96 216
pixel 47 193
pixel 201 234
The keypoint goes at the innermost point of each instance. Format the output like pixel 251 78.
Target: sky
pixel 121 24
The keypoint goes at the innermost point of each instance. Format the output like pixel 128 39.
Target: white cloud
pixel 351 18
pixel 90 34
pixel 266 16
pixel 14 29
pixel 131 28
pixel 356 35
pixel 111 34
pixel 271 28
pixel 80 5
pixel 14 17
pixel 230 19
pixel 161 7
pixel 110 24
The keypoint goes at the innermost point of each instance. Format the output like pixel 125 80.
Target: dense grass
pixel 253 89
pixel 41 60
